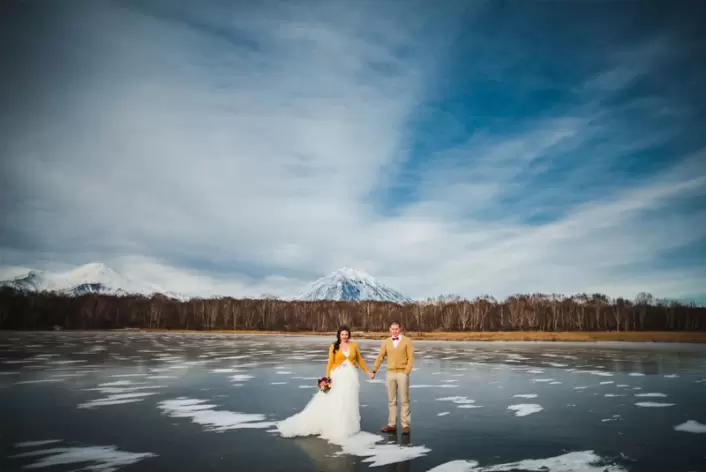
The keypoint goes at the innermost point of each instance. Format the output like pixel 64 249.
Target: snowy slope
pixel 95 277
pixel 351 284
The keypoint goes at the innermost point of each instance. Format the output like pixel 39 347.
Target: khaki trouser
pixel 398 382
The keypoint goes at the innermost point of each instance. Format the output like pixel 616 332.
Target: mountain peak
pixel 347 283
pixel 352 274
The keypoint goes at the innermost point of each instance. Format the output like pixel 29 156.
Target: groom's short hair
pixel 395 322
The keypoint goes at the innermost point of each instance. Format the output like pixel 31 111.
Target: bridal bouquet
pixel 324 384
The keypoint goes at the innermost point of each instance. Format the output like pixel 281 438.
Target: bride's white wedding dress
pixel 334 415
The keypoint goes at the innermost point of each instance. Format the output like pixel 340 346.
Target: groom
pixel 400 358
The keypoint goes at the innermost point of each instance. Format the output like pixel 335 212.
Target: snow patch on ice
pixel 524 409
pixel 691 426
pixel 457 400
pixel 36 443
pixel 241 377
pixel 580 461
pixel 116 399
pixel 97 458
pixel 211 419
pixel 366 445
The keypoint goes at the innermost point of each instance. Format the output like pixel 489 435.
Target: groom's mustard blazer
pixel 334 360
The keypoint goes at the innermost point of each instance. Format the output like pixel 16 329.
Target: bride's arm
pixel 359 359
pixel 330 362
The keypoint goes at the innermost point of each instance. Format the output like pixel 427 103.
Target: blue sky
pixel 462 147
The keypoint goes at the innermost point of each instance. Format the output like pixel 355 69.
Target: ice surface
pixel 524 409
pixel 433 386
pixel 581 461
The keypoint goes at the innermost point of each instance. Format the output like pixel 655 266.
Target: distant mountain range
pixel 96 277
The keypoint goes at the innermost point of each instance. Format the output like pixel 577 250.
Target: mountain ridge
pixel 345 284
pixel 94 277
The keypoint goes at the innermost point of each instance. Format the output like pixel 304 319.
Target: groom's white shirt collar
pixel 399 336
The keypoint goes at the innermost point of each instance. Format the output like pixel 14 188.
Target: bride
pixel 332 415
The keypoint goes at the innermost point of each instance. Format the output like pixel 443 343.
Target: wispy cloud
pixel 249 150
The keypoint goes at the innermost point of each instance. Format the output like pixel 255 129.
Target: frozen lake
pixel 168 402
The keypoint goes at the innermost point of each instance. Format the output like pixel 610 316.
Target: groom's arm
pixel 380 357
pixel 410 358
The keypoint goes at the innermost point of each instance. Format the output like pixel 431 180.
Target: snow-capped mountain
pixel 351 284
pixel 95 277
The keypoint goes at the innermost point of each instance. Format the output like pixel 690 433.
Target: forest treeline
pixel 535 312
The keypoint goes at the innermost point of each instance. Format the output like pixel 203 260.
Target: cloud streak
pixel 241 151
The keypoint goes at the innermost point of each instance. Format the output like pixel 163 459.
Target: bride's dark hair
pixel 337 344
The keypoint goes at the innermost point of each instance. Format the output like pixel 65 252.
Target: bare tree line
pixel 535 312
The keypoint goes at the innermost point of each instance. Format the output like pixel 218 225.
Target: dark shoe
pixel 405 430
pixel 388 429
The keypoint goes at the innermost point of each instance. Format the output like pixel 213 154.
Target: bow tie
pixel 395 338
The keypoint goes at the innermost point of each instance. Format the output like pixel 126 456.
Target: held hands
pixel 371 376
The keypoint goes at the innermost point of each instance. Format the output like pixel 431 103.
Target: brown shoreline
pixel 527 336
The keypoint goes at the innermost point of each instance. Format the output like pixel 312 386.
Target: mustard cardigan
pixel 334 360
